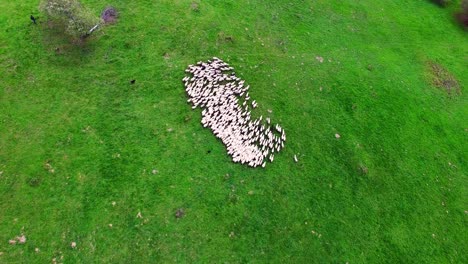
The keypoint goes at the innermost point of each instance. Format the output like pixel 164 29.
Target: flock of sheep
pixel 225 100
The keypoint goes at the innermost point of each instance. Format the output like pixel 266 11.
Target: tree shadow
pixel 66 50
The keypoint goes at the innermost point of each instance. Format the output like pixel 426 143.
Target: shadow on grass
pixel 66 50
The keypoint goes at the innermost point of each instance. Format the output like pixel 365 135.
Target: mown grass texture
pixel 81 148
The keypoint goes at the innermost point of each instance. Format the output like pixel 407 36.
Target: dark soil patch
pixel 443 79
pixel 223 38
pixel 34 181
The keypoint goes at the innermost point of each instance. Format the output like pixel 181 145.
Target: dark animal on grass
pixel 33 19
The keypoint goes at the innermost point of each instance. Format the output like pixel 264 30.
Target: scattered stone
pixel 73 245
pixel 12 242
pixel 224 98
pixel 139 215
pixel 180 213
pixel 110 225
pixel 154 171
pixel 113 203
pixel 36 250
pixel 320 59
pixel 49 167
pixel 337 136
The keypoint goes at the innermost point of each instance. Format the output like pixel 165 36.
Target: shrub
pixel 462 16
pixel 109 15
pixel 79 22
pixel 442 3
pixel 464 6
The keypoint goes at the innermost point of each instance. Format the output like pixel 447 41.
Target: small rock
pixel 154 171
pixel 180 213
pixel 363 169
pixel 110 225
pixel 139 215
pixel 195 7
pixel 12 242
pixel 73 245
pixel 36 250
pixel 337 136
pixel 113 203
pixel 21 239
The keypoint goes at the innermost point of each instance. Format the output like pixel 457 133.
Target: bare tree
pixel 79 21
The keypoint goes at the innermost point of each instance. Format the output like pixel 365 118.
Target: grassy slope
pixel 103 137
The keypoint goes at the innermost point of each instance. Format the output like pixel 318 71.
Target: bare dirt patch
pixel 443 79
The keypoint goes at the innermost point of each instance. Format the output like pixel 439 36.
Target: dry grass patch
pixel 443 79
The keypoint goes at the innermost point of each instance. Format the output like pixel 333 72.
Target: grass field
pixel 81 149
